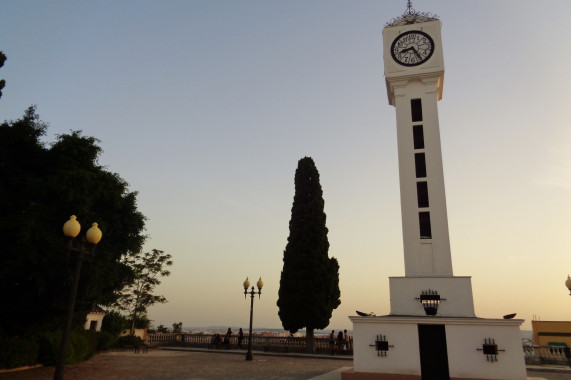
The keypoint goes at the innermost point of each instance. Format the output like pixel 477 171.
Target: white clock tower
pixel 414 86
pixel 432 331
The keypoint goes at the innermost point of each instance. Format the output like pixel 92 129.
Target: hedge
pixel 17 352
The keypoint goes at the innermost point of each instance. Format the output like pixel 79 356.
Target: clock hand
pixel 407 49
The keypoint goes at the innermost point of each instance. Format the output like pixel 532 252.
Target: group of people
pixel 339 342
pixel 217 339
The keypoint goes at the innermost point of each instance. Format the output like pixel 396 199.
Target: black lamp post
pixel 71 229
pixel 252 292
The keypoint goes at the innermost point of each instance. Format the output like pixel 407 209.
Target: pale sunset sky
pixel 205 108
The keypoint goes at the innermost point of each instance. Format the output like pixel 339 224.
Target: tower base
pixel 402 348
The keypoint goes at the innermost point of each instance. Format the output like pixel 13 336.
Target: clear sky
pixel 205 107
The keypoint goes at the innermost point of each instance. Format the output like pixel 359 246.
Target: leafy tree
pixel 114 323
pixel 142 322
pixel 147 267
pixel 177 328
pixel 162 329
pixel 41 186
pixel 309 283
pixel 2 81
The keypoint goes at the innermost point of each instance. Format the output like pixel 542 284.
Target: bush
pixel 130 340
pixel 17 352
pixel 82 345
pixel 114 323
pixel 49 343
pixel 106 340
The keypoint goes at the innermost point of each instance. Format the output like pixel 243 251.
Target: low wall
pixel 265 343
pixel 545 355
pixel 532 354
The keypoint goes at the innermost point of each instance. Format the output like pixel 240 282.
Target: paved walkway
pixel 167 365
pixel 193 363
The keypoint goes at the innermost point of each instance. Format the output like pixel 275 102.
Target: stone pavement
pixel 192 363
pixel 167 365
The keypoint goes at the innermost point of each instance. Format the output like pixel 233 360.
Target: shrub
pixel 106 340
pixel 82 345
pixel 17 352
pixel 77 350
pixel 49 345
pixel 130 340
pixel 114 323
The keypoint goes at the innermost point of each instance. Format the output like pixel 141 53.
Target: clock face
pixel 412 48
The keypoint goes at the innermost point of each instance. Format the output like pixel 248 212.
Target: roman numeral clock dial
pixel 412 48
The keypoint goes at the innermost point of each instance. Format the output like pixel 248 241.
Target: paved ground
pixel 158 364
pixel 191 364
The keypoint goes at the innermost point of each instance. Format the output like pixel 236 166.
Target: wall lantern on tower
pixel 430 300
pixel 568 284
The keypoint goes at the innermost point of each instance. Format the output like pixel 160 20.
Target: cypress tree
pixel 309 283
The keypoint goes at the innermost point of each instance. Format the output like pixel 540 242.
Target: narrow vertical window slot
pixel 420 165
pixel 424 222
pixel 418 135
pixel 422 193
pixel 416 109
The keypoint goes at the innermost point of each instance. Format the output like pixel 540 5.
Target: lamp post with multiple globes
pixel 252 292
pixel 93 235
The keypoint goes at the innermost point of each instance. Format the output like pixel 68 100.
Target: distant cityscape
pixel 526 335
pixel 256 331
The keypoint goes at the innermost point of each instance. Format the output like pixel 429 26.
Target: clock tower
pixel 414 77
pixel 432 331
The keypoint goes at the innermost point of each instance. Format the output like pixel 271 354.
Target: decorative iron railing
pixel 259 342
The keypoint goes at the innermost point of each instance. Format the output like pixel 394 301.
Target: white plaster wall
pixel 464 359
pixel 94 317
pixel 403 358
pixel 457 292
pixel 463 338
pixel 423 257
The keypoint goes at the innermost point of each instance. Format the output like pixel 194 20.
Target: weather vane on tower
pixel 411 16
pixel 409 9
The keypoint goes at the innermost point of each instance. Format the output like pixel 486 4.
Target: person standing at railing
pixel 346 340
pixel 332 342
pixel 240 337
pixel 340 342
pixel 227 337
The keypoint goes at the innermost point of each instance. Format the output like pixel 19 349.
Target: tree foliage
pixel 309 283
pixel 41 186
pixel 114 323
pixel 162 329
pixel 147 268
pixel 177 327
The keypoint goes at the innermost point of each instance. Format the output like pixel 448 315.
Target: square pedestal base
pixel 398 347
pixel 352 375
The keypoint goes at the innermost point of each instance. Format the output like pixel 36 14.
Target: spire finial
pixel 409 9
pixel 411 16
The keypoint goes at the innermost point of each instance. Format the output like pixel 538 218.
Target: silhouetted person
pixel 240 337
pixel 227 337
pixel 332 342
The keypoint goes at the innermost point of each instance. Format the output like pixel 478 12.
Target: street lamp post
pixel 93 235
pixel 252 292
